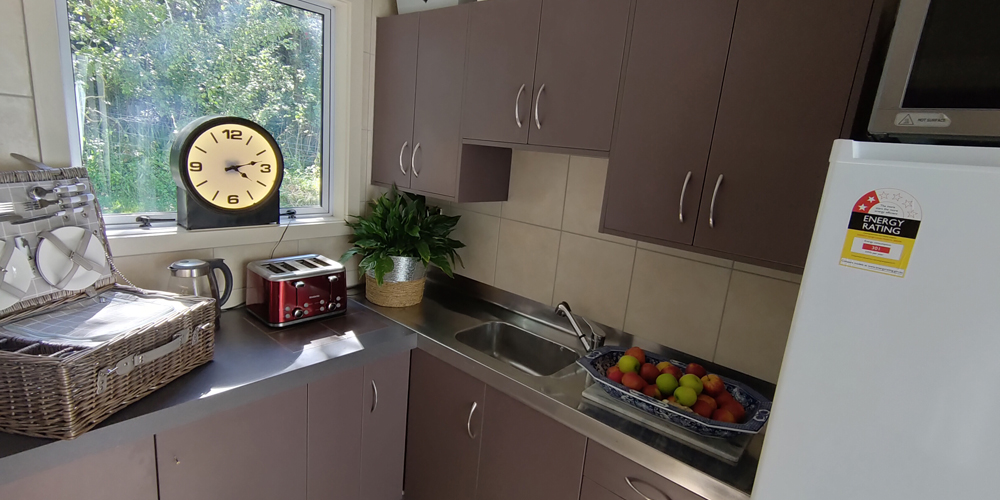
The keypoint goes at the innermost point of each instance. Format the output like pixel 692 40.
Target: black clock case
pixel 192 213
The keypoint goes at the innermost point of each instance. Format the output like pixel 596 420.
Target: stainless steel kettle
pixel 197 277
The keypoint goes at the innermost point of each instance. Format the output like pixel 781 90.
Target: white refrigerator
pixel 890 384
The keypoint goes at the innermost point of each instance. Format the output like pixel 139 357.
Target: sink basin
pixel 518 348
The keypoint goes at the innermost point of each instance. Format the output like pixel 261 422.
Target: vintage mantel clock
pixel 228 171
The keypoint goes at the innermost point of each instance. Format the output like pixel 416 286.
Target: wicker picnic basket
pixel 61 391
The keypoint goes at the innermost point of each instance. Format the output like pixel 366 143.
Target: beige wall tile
pixel 755 325
pixel 14 53
pixel 329 247
pixel 487 208
pixel 150 271
pixel 585 198
pixel 526 260
pixel 594 276
pixel 369 26
pixel 697 257
pixel 237 298
pixel 770 273
pixel 481 234
pixel 366 116
pixel 237 257
pixel 18 132
pixel 677 302
pixel 537 188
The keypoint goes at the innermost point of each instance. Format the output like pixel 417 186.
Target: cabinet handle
pixel 517 106
pixel 413 160
pixel 680 212
pixel 468 423
pixel 630 485
pixel 711 210
pixel 538 98
pixel 374 396
pixel 401 168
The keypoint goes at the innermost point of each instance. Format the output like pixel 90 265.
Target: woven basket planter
pixel 401 287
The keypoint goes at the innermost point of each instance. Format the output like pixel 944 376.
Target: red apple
pixel 724 397
pixel 637 353
pixel 649 373
pixel 671 369
pixel 672 399
pixel 713 385
pixel 739 413
pixel 723 415
pixel 633 381
pixel 652 391
pixel 702 408
pixel 696 369
pixel 709 400
pixel 615 374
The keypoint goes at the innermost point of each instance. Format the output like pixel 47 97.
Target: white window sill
pixel 127 241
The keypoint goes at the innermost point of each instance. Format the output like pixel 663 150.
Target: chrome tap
pixel 596 336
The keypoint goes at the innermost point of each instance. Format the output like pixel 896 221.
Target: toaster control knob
pixel 298 313
pixel 332 278
pixel 299 284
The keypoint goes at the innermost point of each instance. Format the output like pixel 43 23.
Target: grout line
pixel 722 318
pixel 555 275
pixel 631 278
pixel 496 253
pixel 562 218
pixel 5 94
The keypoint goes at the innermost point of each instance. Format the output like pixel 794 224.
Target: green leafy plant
pixel 402 225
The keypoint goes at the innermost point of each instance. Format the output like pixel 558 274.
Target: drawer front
pixel 614 472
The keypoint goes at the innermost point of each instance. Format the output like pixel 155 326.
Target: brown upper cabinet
pixel 395 81
pixel 670 95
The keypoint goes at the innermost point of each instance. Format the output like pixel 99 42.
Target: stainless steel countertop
pixel 452 306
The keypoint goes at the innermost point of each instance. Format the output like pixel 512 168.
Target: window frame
pixel 327 122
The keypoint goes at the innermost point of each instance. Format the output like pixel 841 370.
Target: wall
pixel 18 131
pixel 543 244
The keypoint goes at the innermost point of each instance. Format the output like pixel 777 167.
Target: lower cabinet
pixel 254 452
pixel 593 491
pixel 466 440
pixel 334 412
pixel 127 471
pixel 383 428
pixel 614 476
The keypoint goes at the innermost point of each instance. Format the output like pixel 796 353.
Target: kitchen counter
pixel 253 361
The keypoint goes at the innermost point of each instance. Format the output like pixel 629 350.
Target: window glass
pixel 145 68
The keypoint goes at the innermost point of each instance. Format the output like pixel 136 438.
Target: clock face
pixel 232 165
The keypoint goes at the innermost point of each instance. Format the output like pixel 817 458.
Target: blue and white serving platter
pixel 758 408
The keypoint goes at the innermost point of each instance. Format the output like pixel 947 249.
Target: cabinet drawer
pixel 614 472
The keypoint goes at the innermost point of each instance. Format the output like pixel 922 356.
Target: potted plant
pixel 398 239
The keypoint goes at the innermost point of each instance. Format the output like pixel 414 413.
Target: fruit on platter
pixel 724 397
pixel 723 415
pixel 705 405
pixel 652 391
pixel 671 399
pixel 637 353
pixel 629 364
pixel 709 400
pixel 691 380
pixel 667 383
pixel 615 374
pixel 686 396
pixel 671 369
pixel 649 373
pixel 713 384
pixel 734 407
pixel 696 369
pixel 633 381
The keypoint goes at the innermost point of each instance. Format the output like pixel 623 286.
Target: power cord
pixel 291 216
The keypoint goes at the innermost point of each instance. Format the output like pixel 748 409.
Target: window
pixel 143 69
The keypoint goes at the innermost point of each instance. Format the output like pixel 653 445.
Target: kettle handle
pixel 227 273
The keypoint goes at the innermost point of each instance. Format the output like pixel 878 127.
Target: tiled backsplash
pixel 543 244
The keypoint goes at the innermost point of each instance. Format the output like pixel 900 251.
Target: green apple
pixel 666 383
pixel 628 364
pixel 686 395
pixel 692 381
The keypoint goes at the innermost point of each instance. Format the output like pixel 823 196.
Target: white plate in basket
pixel 18 275
pixel 53 265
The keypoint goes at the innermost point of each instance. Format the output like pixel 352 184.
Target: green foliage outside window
pixel 145 68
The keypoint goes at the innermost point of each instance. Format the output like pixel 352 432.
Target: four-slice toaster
pixel 291 290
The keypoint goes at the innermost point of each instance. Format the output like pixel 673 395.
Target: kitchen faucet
pixel 589 344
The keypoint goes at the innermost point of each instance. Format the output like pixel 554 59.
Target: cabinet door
pixel 580 49
pixel 395 84
pixel 127 471
pixel 443 432
pixel 383 428
pixel 503 38
pixel 594 491
pixel 676 62
pixel 438 116
pixel 527 455
pixel 255 452
pixel 788 82
pixel 334 449
pixel 629 480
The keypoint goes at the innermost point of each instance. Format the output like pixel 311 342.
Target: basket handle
pixel 125 365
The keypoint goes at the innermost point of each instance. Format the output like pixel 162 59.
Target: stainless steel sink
pixel 518 348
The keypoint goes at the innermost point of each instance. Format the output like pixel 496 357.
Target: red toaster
pixel 289 290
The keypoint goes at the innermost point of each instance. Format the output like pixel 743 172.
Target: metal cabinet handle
pixel 401 168
pixel 538 98
pixel 468 423
pixel 517 106
pixel 374 396
pixel 413 160
pixel 630 485
pixel 711 210
pixel 680 212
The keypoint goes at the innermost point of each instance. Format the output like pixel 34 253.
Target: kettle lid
pixel 189 268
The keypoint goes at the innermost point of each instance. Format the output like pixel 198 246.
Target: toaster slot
pixel 307 263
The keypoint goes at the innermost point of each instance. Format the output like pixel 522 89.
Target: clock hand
pixel 237 167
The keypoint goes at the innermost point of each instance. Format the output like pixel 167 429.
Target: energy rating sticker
pixel 881 232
